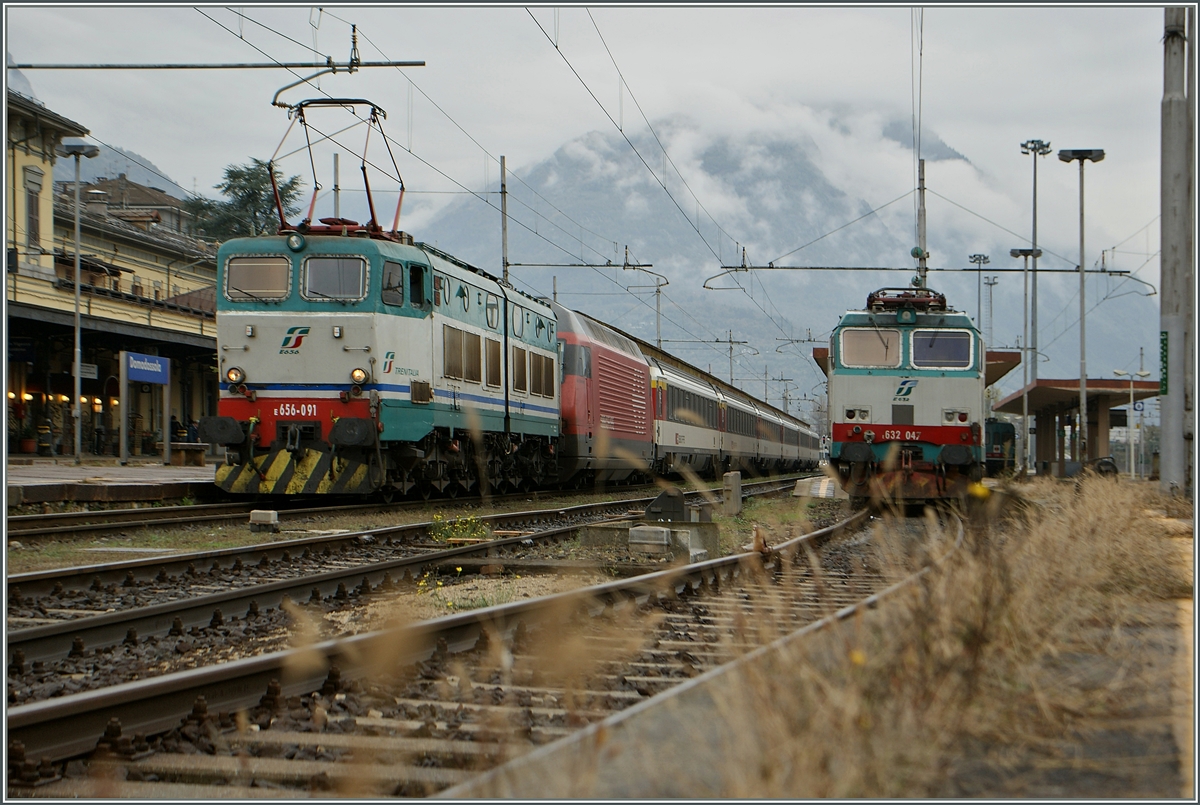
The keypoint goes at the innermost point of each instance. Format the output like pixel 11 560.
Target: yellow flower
pixel 439 584
pixel 459 569
pixel 858 657
pixel 449 603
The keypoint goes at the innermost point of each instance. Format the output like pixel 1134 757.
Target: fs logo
pixel 905 390
pixel 292 341
pixel 388 360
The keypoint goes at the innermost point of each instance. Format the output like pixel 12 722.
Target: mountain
pixel 791 202
pixel 111 163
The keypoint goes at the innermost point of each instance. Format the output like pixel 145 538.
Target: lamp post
pixel 1038 149
pixel 77 149
pixel 1026 254
pixel 1129 421
pixel 1083 155
pixel 980 260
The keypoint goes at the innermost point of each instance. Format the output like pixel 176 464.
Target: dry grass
pixel 1010 647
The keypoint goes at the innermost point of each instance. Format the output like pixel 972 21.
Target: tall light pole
pixel 1129 440
pixel 980 260
pixel 77 149
pixel 1038 149
pixel 1025 253
pixel 1083 155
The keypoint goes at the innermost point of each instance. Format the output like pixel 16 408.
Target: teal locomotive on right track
pixel 906 398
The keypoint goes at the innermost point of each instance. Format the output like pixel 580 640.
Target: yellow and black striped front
pixel 280 471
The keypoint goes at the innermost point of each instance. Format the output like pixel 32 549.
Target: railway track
pixel 419 709
pixel 56 618
pixel 29 527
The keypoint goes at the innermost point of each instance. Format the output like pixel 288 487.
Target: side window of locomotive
pixel 257 278
pixel 472 358
pixel 339 278
pixel 541 375
pixel 393 283
pixel 518 322
pixel 493 362
pixel 416 286
pixel 577 360
pixel 493 311
pixel 452 352
pixel 870 347
pixel 944 349
pixel 518 369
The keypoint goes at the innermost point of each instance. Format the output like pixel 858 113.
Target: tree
pixel 249 204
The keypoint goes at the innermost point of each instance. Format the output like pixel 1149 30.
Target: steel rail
pixel 67 726
pixel 28 526
pixel 42 582
pixel 54 641
pixel 683 709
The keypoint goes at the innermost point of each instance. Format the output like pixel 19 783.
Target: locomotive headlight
pixel 358 376
pixel 850 413
pixel 962 416
pixel 295 241
pixel 948 416
pixel 235 375
pixel 863 414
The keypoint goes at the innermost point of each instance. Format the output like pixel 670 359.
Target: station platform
pixel 144 479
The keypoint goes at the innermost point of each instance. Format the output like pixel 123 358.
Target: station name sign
pixel 147 368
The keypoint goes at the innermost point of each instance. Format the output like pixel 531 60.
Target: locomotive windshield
pixel 941 348
pixel 335 277
pixel 870 347
pixel 257 278
pixel 393 283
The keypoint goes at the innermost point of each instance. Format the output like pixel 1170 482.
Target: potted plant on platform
pixel 28 440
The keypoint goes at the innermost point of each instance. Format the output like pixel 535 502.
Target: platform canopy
pixel 1064 394
pixel 999 363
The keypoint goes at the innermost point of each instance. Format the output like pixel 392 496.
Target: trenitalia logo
pixel 388 360
pixel 292 340
pixel 905 390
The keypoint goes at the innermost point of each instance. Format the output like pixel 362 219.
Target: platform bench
pixel 189 454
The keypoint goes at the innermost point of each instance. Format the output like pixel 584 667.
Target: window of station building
pixel 393 283
pixel 257 278
pixel 943 349
pixel 518 370
pixel 337 278
pixel 870 346
pixel 494 368
pixel 416 286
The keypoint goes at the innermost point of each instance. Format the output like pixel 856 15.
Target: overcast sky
pixel 991 78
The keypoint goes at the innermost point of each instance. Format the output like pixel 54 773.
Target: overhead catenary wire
pixel 482 196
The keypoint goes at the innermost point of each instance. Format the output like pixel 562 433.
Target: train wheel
pixel 452 489
pixel 425 490
pixel 388 493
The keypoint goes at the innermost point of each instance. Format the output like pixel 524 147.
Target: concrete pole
pixel 77 367
pixel 1025 376
pixel 123 406
pixel 1083 416
pixel 1176 226
pixel 504 218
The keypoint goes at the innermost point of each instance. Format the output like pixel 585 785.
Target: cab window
pixel 870 347
pixel 340 278
pixel 393 283
pixel 257 278
pixel 947 349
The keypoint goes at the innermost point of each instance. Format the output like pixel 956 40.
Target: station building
pixel 146 285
